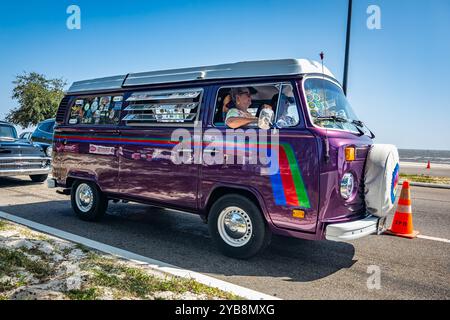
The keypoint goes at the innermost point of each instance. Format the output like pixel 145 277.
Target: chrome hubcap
pixel 235 226
pixel 84 197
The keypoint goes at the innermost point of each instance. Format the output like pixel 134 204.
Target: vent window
pixel 179 106
pixel 62 109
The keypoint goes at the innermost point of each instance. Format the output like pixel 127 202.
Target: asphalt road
pixel 436 170
pixel 289 269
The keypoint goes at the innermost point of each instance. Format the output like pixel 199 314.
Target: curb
pixel 152 263
pixel 427 185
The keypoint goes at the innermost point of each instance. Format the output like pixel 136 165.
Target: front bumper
pixel 24 172
pixel 23 166
pixel 355 229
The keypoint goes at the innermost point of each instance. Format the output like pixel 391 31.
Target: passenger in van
pixel 287 110
pixel 237 115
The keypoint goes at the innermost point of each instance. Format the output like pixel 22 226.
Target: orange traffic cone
pixel 402 225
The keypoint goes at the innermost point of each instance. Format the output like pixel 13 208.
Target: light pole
pixel 347 45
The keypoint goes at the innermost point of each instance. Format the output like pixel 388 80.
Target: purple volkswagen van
pixel 161 138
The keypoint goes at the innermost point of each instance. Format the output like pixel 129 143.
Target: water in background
pixel 422 156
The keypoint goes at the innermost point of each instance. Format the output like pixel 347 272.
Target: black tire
pixel 260 234
pixel 99 202
pixel 39 177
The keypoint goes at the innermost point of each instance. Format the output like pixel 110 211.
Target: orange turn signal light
pixel 298 214
pixel 350 153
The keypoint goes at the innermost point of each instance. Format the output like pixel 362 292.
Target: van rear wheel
pixel 237 227
pixel 88 202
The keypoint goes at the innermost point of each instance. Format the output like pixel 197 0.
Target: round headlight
pixel 347 185
pixel 49 151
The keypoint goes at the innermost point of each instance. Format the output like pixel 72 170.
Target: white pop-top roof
pixel 246 69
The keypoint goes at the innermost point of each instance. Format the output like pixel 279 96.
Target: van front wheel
pixel 237 227
pixel 88 202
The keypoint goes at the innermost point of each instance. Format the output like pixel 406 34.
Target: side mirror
pixel 265 120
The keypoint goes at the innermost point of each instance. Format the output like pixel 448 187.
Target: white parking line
pixel 433 238
pixel 155 264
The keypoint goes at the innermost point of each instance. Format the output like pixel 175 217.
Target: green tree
pixel 38 98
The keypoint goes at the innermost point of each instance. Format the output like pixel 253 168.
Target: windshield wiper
pixel 359 124
pixel 332 118
pixel 340 119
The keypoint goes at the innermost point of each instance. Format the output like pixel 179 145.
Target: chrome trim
pixel 24 172
pixel 84 197
pixel 176 94
pixel 20 164
pixel 25 158
pixel 235 227
pixel 352 230
pixel 154 106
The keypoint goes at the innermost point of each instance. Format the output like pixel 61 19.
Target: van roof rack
pixel 246 69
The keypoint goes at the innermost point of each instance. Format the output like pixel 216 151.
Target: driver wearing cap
pixel 239 116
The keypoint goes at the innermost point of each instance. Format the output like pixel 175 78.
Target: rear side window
pixel 47 127
pixel 96 110
pixel 159 107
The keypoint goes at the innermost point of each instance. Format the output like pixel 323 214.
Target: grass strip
pixel 425 178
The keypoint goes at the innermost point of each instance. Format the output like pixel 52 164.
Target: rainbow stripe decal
pixel 288 186
pixel 394 183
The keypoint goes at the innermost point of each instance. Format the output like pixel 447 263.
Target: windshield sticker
pixel 328 105
pixel 94 106
pixel 96 110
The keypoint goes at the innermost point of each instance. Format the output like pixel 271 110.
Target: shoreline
pixel 423 165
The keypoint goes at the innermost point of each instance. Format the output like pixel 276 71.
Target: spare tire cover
pixel 381 179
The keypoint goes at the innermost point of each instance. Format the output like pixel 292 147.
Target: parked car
pixel 43 134
pixel 161 138
pixel 25 135
pixel 21 157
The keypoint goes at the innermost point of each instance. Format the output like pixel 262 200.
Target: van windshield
pixel 328 105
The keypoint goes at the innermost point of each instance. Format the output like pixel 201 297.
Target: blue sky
pixel 399 75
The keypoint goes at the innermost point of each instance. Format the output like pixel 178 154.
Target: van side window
pixel 287 113
pixel 170 106
pixel 96 110
pixel 258 98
